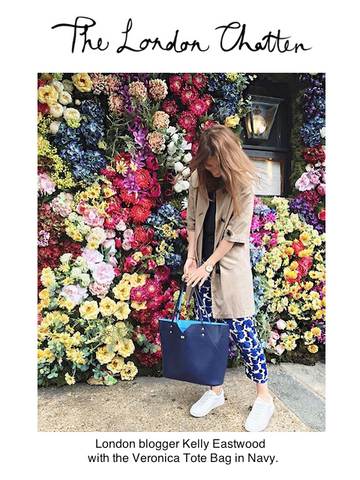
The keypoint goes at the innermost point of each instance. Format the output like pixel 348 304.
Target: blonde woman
pixel 219 213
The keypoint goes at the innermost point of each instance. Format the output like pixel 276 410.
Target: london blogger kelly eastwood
pixel 219 213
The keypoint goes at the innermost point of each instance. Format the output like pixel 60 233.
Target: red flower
pixel 188 95
pixel 175 84
pixel 186 77
pixel 43 108
pixel 187 121
pixel 154 189
pixel 152 162
pixel 297 245
pixel 304 265
pixel 321 215
pixel 198 107
pixel 170 107
pixel 199 80
pixel 140 213
pixel 142 177
pixel 128 197
pixel 162 274
pixel 208 99
pixel 194 148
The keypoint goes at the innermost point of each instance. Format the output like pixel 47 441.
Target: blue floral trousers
pixel 243 333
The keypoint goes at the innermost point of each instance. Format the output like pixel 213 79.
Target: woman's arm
pixel 200 274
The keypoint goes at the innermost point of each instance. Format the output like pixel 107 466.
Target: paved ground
pixel 160 405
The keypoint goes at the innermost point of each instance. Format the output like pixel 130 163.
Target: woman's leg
pixel 214 397
pixel 244 333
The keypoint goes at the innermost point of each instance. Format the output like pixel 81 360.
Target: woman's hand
pixel 198 276
pixel 189 268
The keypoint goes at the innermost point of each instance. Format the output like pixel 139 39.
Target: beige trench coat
pixel 231 280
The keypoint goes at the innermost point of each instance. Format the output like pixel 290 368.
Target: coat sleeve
pixel 190 213
pixel 238 228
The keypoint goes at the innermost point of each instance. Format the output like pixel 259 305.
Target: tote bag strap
pixel 197 299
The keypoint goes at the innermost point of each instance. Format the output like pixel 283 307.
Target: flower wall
pixel 113 171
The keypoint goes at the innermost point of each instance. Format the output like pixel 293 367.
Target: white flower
pixel 76 272
pixel 65 98
pixel 184 203
pixel 323 132
pixel 68 85
pixel 175 137
pixel 171 148
pixel 56 110
pixel 185 145
pixel 65 258
pixel 54 126
pixel 71 113
pixel 187 158
pixel 59 87
pixel 186 172
pixel 171 130
pixel 181 186
pixel 85 279
pixel 178 167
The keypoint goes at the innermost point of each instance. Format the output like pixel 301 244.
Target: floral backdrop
pixel 113 176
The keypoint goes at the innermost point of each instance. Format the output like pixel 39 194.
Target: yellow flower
pixel 47 277
pixel 103 355
pixel 137 256
pixel 44 294
pixel 68 304
pixel 312 348
pixel 76 356
pixel 122 291
pixel 294 309
pixel 76 339
pixel 308 336
pixel 122 310
pixel 108 192
pixel 89 310
pixel 92 244
pixel 67 281
pixel 291 325
pixel 316 331
pixel 48 94
pixel 289 251
pixel 304 237
pixel 107 306
pixel 128 371
pixel 70 380
pixel 125 347
pixel 139 305
pixel 82 82
pixel 308 286
pixel 116 364
pixel 232 121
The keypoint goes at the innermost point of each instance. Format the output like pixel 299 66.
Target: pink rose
pixel 92 257
pixel 98 289
pixel 110 243
pixel 46 185
pixel 93 218
pixel 280 324
pixel 75 293
pixel 280 349
pixel 103 273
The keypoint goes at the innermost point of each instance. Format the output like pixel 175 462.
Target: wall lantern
pixel 260 119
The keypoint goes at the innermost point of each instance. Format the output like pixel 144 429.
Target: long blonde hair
pixel 237 170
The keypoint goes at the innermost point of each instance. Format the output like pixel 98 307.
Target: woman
pixel 219 213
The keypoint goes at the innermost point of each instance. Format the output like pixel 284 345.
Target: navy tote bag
pixel 194 351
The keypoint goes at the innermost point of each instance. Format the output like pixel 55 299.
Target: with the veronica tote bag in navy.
pixel 194 351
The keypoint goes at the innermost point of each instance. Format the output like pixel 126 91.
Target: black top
pixel 209 228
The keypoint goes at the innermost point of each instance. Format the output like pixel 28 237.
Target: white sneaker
pixel 207 402
pixel 260 415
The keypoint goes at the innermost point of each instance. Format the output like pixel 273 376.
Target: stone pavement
pixel 150 404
